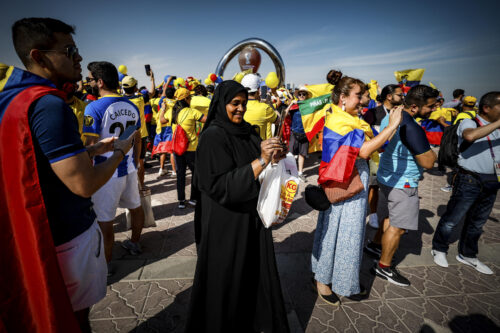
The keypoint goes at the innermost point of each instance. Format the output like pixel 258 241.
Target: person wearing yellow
pixel 164 131
pixel 76 105
pixel 200 102
pixel 469 110
pixel 258 114
pixel 129 85
pixel 186 117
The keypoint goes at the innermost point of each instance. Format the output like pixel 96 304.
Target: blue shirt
pixel 110 116
pixel 297 126
pixel 398 167
pixel 54 128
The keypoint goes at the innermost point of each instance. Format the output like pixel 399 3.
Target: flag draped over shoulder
pixel 33 296
pixel 318 90
pixel 434 130
pixel 343 136
pixel 313 111
pixel 409 77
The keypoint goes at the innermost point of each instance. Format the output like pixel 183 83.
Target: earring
pixel 343 106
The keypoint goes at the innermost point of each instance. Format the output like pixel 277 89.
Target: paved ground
pixel 150 292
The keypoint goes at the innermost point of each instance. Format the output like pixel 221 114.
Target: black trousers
pixel 181 164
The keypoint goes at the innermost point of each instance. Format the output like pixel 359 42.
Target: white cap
pixel 251 82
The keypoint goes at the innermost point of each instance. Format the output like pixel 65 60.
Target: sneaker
pixel 173 174
pixel 182 204
pixel 373 220
pixel 474 262
pixel 133 248
pixel 447 188
pixel 392 275
pixel 162 172
pixel 374 249
pixel 440 258
pixel 192 202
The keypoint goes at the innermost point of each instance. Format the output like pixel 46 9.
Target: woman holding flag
pixel 348 142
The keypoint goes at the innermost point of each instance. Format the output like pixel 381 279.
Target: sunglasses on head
pixel 70 51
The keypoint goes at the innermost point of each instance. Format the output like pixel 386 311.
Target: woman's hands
pixel 395 117
pixel 271 149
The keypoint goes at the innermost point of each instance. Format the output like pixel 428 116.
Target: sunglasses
pixel 90 79
pixel 70 51
pixel 302 94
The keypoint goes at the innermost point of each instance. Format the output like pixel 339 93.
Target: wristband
pixel 262 162
pixel 120 150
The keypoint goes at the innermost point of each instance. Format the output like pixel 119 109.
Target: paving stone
pixel 114 325
pixel 123 300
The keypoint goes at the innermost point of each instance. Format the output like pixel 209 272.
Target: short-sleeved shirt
pixel 477 158
pixel 398 167
pixel 200 103
pixel 138 100
pixel 297 125
pixel 78 107
pixel 167 115
pixel 54 129
pixel 154 108
pixel 262 116
pixel 187 118
pixel 110 116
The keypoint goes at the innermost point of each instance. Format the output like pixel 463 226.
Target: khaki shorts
pixel 84 268
pixel 401 205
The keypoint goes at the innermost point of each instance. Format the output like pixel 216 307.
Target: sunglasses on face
pixel 302 94
pixel 70 51
pixel 90 79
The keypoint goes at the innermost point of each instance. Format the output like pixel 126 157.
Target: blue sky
pixel 457 42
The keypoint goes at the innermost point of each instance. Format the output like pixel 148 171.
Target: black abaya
pixel 236 286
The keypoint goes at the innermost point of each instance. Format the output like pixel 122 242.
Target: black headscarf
pixel 217 114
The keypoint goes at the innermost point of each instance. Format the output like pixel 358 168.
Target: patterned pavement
pixel 151 292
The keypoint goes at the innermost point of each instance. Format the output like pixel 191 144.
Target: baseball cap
pixel 251 82
pixel 470 100
pixel 129 82
pixel 181 94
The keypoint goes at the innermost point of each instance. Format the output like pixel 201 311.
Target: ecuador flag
pixel 318 90
pixel 313 112
pixel 409 77
pixel 343 136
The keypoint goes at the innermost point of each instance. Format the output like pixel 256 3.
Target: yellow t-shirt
pixel 78 107
pixel 200 103
pixel 187 118
pixel 465 115
pixel 154 106
pixel 167 115
pixel 138 100
pixel 442 112
pixel 261 115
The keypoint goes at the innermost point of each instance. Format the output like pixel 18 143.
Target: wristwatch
pixel 262 162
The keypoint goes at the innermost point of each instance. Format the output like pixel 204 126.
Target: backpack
pixel 449 150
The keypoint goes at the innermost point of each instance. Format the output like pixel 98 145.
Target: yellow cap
pixel 129 82
pixel 470 100
pixel 181 94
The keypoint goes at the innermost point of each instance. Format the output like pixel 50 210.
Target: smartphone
pixel 128 132
pixel 263 92
pixel 148 70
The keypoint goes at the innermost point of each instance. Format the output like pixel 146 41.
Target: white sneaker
pixel 162 172
pixel 474 262
pixel 440 258
pixel 173 174
pixel 373 220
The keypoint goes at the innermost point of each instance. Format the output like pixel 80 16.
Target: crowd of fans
pixel 86 164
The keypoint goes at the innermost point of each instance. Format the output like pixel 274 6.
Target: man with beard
pixel 401 167
pixel 51 244
pixel 391 96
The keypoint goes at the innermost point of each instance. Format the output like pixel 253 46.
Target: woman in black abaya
pixel 236 285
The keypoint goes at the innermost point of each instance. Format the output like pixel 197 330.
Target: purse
pixel 339 191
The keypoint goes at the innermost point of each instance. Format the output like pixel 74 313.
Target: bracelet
pixel 120 150
pixel 262 162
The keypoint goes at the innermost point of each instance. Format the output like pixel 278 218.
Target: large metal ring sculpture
pixel 258 43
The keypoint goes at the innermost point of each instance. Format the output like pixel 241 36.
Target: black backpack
pixel 449 150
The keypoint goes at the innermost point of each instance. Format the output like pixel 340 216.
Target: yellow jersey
pixel 187 118
pixel 262 116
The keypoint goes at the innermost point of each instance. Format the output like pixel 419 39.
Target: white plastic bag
pixel 149 219
pixel 279 184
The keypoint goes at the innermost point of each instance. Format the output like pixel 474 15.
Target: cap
pixel 129 82
pixel 304 88
pixel 251 82
pixel 181 94
pixel 470 100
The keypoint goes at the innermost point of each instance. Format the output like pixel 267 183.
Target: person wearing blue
pixel 400 170
pixel 475 186
pixel 108 117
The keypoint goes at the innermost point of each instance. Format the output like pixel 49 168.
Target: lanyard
pixel 487 137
